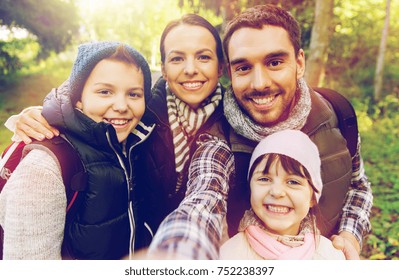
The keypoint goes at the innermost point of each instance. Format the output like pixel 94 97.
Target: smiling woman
pixel 191 68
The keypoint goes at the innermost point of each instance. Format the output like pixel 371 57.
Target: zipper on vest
pixel 130 208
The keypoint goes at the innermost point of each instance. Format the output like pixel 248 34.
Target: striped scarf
pixel 185 122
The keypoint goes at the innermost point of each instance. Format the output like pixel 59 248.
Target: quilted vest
pixel 106 224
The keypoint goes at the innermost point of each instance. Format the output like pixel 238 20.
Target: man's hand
pixel 31 124
pixel 348 243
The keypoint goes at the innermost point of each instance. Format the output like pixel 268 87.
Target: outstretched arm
pixel 355 221
pixel 194 229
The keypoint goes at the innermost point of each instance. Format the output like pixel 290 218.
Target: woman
pixel 186 100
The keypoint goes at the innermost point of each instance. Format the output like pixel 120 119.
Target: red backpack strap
pixel 72 169
pixel 73 172
pixel 10 158
pixel 74 176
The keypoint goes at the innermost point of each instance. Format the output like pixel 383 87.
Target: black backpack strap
pixel 346 115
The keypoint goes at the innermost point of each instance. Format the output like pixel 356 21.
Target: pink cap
pixel 294 144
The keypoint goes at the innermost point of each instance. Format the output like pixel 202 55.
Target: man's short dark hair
pixel 259 16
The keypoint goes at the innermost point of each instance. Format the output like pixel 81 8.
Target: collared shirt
pixel 358 201
pixel 193 231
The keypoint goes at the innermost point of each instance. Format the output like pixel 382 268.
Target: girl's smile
pixel 281 200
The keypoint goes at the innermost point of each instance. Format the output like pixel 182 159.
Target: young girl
pixel 285 182
pixel 99 113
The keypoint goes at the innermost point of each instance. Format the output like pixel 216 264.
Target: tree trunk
pixel 229 10
pixel 379 72
pixel 319 42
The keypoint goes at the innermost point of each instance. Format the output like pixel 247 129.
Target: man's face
pixel 264 71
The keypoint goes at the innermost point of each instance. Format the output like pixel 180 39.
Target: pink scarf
pixel 271 249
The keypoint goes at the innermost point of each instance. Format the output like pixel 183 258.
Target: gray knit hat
pixel 89 54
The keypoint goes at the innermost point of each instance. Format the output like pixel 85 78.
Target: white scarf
pixel 185 122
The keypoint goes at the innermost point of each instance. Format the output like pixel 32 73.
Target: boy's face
pixel 264 71
pixel 279 199
pixel 114 93
pixel 191 65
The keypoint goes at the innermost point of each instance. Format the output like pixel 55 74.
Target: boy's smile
pixel 114 93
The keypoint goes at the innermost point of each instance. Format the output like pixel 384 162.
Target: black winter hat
pixel 89 54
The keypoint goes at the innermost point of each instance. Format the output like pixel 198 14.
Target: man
pixel 268 94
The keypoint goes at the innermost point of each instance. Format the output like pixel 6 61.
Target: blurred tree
pixel 138 23
pixel 54 22
pixel 320 40
pixel 379 72
pixel 354 47
pixel 230 8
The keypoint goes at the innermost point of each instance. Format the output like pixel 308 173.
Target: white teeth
pixel 278 209
pixel 262 101
pixel 192 85
pixel 118 122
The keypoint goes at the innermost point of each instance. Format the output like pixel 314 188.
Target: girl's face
pixel 191 66
pixel 114 93
pixel 279 199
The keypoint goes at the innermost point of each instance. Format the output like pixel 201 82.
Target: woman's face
pixel 191 65
pixel 114 93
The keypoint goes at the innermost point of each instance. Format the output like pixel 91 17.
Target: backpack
pixel 346 115
pixel 72 170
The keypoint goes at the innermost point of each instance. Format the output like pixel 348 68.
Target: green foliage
pixel 354 47
pixel 16 55
pixel 53 22
pixel 138 23
pixel 350 70
pixel 38 20
pixel 380 149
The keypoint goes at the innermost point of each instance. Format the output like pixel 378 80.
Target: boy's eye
pixel 104 92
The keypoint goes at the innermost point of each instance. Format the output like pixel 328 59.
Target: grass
pixel 29 90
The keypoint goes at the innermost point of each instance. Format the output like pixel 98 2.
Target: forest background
pixel 351 46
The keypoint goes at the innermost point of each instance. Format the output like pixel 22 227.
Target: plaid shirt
pixel 193 231
pixel 358 202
